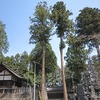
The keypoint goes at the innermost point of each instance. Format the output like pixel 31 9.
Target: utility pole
pixel 34 77
pixel 28 74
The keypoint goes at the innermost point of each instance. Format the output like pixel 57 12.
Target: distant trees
pixel 4 44
pixel 40 31
pixel 19 62
pixel 60 17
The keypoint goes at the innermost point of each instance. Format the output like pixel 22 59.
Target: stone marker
pixel 80 92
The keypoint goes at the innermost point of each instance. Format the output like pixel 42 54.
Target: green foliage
pixel 54 78
pixel 40 31
pixel 4 45
pixel 76 56
pixel 29 76
pixel 50 59
pixel 62 44
pixel 60 17
pixel 88 25
pixel 19 62
pixel 9 61
pixel 88 21
pixel 41 25
pixel 24 61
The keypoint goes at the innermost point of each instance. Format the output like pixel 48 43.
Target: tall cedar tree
pixel 40 31
pixel 88 26
pixel 4 44
pixel 63 25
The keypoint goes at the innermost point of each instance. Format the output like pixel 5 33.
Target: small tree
pixel 63 25
pixel 40 31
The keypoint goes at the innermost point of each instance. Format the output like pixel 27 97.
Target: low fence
pixel 17 90
pixel 22 93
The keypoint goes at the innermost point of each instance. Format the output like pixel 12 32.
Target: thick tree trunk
pixel 63 73
pixel 98 51
pixel 43 91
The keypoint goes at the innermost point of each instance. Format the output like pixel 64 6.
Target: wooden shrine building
pixel 8 78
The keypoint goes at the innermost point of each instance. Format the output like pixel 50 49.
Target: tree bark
pixel 43 91
pixel 98 51
pixel 63 72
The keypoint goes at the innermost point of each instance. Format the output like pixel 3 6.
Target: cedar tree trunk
pixel 43 91
pixel 63 72
pixel 98 51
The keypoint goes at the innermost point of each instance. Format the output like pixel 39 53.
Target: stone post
pixel 80 92
pixel 93 96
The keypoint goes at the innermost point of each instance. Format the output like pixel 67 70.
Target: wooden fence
pixel 17 90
